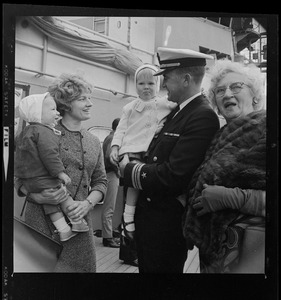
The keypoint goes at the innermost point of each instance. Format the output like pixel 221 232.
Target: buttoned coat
pixel 82 158
pixel 139 122
pixel 37 152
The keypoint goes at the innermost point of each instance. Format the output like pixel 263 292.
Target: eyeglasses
pixel 235 88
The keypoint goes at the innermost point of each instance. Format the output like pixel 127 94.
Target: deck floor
pixel 108 260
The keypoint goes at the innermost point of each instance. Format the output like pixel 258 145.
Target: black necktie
pixel 171 115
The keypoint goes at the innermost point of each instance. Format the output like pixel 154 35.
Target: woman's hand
pixel 215 198
pixel 50 196
pixel 211 199
pixel 78 210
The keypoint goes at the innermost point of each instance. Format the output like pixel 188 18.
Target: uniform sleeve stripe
pixel 136 176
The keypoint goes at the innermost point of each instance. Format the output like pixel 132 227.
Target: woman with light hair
pixel 225 215
pixel 250 73
pixel 82 159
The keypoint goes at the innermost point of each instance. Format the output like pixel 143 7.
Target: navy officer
pixel 171 160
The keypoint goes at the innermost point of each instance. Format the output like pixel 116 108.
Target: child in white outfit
pixel 37 160
pixel 141 121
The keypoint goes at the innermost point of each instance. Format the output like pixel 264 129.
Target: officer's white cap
pixel 170 59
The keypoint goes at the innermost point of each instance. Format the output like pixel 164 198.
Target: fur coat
pixel 236 158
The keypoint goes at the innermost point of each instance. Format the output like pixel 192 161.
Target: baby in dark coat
pixel 37 160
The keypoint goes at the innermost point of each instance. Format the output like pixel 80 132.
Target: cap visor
pixel 159 72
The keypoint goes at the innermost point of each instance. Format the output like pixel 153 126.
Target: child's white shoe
pixel 65 236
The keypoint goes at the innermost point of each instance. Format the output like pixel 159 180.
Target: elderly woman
pixel 82 158
pixel 225 215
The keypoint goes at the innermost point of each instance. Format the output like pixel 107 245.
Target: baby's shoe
pixel 128 234
pixel 80 227
pixel 65 236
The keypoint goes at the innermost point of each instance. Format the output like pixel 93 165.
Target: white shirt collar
pixel 183 104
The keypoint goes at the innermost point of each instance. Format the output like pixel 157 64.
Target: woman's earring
pixel 255 100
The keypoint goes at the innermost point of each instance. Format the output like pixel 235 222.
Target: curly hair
pixel 251 72
pixel 67 88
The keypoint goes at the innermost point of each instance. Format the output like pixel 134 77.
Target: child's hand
pixel 114 155
pixel 123 163
pixel 64 178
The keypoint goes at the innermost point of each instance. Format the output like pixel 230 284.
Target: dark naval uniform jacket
pixel 162 179
pixel 176 153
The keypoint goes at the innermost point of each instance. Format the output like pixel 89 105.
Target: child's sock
pixel 128 216
pixel 61 225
